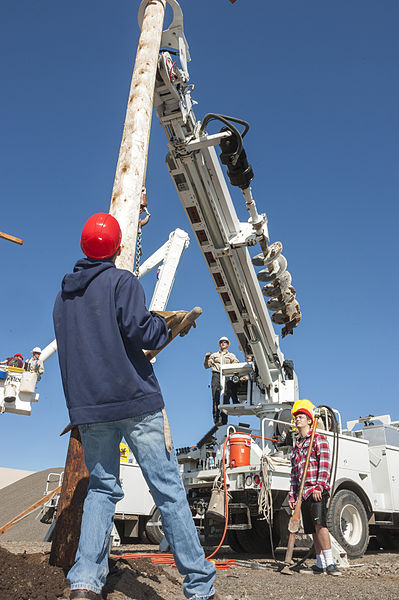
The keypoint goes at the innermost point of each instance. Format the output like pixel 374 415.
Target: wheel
pixel 389 540
pixel 347 521
pixel 153 527
pixel 143 537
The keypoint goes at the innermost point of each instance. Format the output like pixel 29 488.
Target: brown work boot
pixel 84 595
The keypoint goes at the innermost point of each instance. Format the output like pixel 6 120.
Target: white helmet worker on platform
pixel 34 364
pixel 223 356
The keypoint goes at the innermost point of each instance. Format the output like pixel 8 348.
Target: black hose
pixel 334 455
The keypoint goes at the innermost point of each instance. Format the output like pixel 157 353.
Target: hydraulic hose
pixel 334 456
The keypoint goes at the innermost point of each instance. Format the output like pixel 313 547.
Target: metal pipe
pixel 258 222
pixel 132 161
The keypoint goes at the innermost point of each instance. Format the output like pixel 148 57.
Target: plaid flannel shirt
pixel 318 475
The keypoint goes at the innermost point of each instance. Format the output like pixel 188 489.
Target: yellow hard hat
pixel 304 406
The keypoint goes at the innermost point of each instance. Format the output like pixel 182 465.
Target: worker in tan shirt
pixel 34 364
pixel 214 360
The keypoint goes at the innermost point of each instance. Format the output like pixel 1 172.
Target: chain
pixel 139 251
pixel 142 222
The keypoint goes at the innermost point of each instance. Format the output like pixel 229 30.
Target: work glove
pixel 173 319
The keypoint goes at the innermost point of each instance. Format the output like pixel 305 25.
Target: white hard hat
pixel 224 339
pixel 37 349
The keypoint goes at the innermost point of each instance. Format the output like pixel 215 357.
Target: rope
pixel 265 499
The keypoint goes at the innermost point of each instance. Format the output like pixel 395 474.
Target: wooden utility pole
pixel 132 162
pixel 70 505
pixel 125 207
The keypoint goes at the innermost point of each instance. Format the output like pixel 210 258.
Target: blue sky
pixel 318 83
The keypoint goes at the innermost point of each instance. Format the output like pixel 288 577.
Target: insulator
pixel 274 269
pixel 274 251
pixel 278 286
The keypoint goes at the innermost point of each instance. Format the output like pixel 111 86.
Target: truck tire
pixel 153 528
pixel 347 521
pixel 143 537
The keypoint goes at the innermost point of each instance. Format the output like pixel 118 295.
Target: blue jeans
pixel 145 437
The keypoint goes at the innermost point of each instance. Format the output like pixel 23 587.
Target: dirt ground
pixel 26 575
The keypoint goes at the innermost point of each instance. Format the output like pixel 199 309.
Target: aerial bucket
pixel 240 450
pixel 28 382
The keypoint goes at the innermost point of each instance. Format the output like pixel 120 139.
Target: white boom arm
pixel 224 240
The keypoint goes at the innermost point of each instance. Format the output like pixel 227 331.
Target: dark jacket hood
pixel 84 271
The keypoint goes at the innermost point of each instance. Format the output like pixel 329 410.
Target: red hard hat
pixel 303 411
pixel 18 354
pixel 101 236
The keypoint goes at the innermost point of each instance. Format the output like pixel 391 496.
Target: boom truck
pixel 365 486
pixel 256 466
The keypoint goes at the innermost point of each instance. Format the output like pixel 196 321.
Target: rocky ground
pixel 26 575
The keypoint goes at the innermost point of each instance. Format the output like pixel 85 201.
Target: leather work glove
pixel 173 319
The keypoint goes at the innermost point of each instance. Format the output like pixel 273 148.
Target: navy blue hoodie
pixel 101 325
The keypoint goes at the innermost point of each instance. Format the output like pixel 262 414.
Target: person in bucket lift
pixel 101 325
pixel 14 361
pixel 214 360
pixel 34 364
pixel 317 486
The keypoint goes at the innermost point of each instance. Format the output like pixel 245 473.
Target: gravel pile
pixel 16 498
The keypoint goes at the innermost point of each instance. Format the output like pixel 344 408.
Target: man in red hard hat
pixel 101 325
pixel 14 361
pixel 316 490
